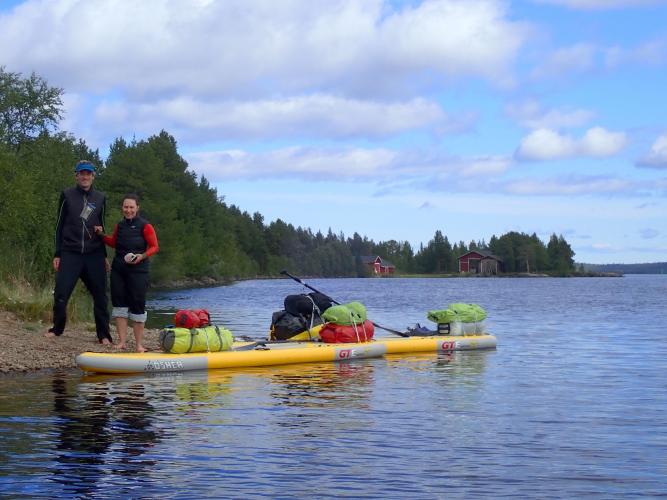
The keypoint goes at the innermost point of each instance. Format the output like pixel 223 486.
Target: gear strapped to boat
pixel 207 339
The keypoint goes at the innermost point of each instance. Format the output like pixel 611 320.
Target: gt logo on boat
pixel 447 346
pixel 345 353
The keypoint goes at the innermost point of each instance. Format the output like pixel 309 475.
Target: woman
pixel 135 241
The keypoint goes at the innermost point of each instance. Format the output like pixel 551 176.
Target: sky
pixel 388 118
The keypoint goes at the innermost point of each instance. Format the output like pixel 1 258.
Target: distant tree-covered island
pixel 647 268
pixel 201 236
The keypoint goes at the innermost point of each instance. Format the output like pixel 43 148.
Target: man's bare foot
pixel 141 348
pixel 120 347
pixel 50 335
pixel 105 341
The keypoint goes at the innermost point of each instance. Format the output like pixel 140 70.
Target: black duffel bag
pixel 306 305
pixel 323 302
pixel 285 325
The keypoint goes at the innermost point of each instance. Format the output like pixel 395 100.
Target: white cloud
pixel 651 53
pixel 598 142
pixel 255 70
pixel 602 4
pixel 577 58
pixel 587 57
pixel 74 106
pixel 309 163
pixel 241 48
pixel 657 157
pixel 453 180
pixel 432 35
pixel 385 167
pixel 485 167
pixel 575 185
pixel 530 114
pixel 546 144
pixel 396 171
pixel 299 116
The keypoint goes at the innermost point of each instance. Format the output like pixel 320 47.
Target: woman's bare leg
pixel 121 327
pixel 138 329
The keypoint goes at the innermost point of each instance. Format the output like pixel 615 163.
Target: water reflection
pixel 102 428
pixel 291 385
pixel 217 386
pixel 342 385
pixel 452 368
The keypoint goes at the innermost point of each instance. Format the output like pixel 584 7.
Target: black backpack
pixel 323 302
pixel 285 325
pixel 306 305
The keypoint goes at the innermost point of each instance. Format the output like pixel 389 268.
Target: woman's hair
pixel 131 196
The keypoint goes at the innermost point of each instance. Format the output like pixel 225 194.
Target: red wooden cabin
pixel 480 262
pixel 378 266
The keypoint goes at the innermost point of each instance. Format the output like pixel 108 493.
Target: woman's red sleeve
pixel 111 240
pixel 151 240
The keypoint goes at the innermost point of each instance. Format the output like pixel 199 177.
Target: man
pixel 80 253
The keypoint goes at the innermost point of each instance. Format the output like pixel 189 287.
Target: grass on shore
pixel 35 303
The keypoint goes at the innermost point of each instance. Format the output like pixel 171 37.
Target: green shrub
pixel 35 303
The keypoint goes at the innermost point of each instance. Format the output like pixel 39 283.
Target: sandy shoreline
pixel 23 346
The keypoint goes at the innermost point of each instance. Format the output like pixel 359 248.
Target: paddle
pixel 298 280
pixel 264 343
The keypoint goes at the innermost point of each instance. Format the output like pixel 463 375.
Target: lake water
pixel 572 403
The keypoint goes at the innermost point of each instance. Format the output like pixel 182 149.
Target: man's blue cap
pixel 84 165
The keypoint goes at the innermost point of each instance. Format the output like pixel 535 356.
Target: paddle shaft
pixel 299 280
pixel 263 343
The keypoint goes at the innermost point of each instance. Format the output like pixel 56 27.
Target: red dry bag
pixel 188 318
pixel 334 334
pixel 204 317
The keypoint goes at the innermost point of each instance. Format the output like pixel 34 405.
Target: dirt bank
pixel 23 346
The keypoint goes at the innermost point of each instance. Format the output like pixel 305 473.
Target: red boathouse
pixel 480 262
pixel 378 266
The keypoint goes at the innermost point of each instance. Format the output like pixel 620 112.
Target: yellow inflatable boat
pixel 251 354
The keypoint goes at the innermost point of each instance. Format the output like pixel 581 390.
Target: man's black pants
pixel 91 269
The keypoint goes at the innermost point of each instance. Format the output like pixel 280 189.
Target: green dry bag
pixel 352 313
pixel 464 313
pixel 208 339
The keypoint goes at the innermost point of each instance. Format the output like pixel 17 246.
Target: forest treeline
pixel 645 268
pixel 200 234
